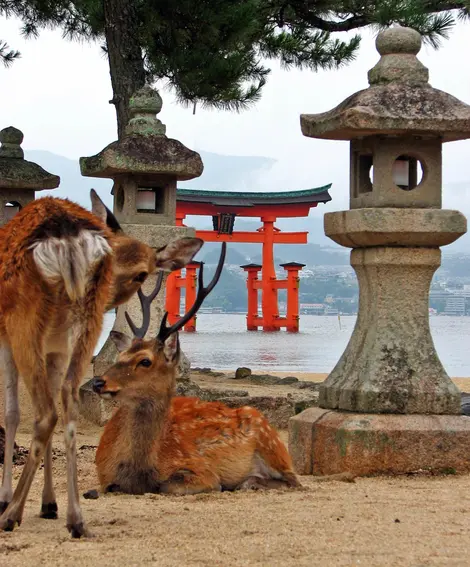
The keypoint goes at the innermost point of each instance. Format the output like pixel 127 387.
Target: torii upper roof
pixel 284 203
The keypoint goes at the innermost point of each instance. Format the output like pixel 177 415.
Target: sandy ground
pixel 402 521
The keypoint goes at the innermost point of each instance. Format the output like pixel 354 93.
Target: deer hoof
pixel 8 525
pixel 49 511
pixel 253 483
pixel 3 507
pixel 79 530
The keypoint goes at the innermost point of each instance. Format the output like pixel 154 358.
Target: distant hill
pixel 230 173
pixel 72 185
pixel 210 255
pixel 309 254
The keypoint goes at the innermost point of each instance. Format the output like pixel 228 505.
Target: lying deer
pixel 157 443
pixel 61 268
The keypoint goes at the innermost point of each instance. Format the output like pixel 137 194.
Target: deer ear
pixel 99 209
pixel 177 254
pixel 122 341
pixel 171 347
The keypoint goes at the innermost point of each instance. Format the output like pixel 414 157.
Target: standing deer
pixel 61 268
pixel 157 443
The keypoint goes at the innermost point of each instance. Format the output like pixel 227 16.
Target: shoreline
pixel 463 383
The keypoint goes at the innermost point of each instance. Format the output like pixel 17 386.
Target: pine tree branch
pixel 308 10
pixel 7 55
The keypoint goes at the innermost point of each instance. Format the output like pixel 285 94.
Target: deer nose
pixel 98 384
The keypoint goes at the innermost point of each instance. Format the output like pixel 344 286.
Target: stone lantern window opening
pixel 11 208
pixel 407 172
pixel 362 176
pixel 384 168
pixel 119 197
pixel 150 200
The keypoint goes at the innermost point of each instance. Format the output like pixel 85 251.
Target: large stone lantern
pixel 389 405
pixel 145 166
pixel 19 178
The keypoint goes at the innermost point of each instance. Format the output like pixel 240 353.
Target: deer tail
pixel 69 260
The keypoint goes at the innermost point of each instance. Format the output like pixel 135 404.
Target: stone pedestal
pixel 325 442
pixel 390 364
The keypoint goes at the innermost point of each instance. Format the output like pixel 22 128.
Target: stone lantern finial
pixel 398 47
pixel 11 139
pixel 143 107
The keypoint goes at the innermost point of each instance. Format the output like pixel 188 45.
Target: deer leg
pixel 80 357
pixel 185 481
pixel 271 459
pixel 12 419
pixel 49 504
pixel 56 366
pixel 45 421
pixel 75 523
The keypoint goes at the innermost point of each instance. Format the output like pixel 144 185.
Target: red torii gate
pixel 224 207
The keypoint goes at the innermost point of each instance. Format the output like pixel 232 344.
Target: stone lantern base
pixel 323 442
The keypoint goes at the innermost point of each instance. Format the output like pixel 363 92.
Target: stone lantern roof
pixel 15 171
pixel 144 148
pixel 399 100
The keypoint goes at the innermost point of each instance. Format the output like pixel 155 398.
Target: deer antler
pixel 145 302
pixel 202 293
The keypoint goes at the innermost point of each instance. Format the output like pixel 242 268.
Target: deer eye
pixel 145 362
pixel 141 277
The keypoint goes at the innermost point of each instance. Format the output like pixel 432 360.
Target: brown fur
pixel 48 330
pixel 155 442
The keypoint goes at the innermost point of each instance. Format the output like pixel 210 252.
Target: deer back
pixel 54 254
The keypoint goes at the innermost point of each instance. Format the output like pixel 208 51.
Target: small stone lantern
pixel 145 166
pixel 388 405
pixel 19 178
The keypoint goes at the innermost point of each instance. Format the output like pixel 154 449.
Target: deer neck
pixel 149 416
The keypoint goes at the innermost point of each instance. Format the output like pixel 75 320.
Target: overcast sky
pixel 58 93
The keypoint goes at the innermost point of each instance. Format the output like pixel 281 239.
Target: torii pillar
pixel 252 280
pixel 269 294
pixel 175 283
pixel 292 285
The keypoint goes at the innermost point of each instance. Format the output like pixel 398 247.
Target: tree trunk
pixel 126 64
